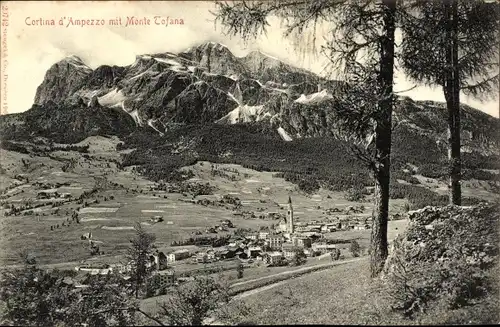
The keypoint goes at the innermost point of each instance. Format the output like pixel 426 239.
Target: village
pixel 289 243
pixel 221 218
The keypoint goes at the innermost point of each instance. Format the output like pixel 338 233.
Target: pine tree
pixel 141 248
pixel 362 46
pixel 453 44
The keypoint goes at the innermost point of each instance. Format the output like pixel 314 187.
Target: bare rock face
pixel 62 79
pixel 208 84
pixel 215 58
pixel 94 102
pixel 200 103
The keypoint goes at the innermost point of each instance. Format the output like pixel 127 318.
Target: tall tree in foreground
pixel 453 44
pixel 141 248
pixel 362 47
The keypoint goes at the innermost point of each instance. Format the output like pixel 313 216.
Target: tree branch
pixel 131 309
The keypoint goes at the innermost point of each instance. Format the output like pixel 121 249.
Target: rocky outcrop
pixel 199 103
pixel 446 254
pixel 62 80
pixel 215 58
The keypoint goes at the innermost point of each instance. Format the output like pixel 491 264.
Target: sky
pixel 30 48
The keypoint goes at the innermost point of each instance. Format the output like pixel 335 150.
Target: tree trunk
pixel 383 134
pixel 452 96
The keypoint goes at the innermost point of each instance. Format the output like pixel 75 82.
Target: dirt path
pixel 304 270
pixel 214 322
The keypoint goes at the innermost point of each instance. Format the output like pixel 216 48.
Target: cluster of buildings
pixel 162 275
pixel 224 226
pixel 273 247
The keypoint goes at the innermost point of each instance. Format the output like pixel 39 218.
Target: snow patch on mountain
pixel 314 98
pixel 284 135
pixel 244 114
pixel 135 116
pixel 234 98
pixel 174 65
pixel 138 75
pixel 219 46
pixel 112 98
pixel 150 123
pixel 77 62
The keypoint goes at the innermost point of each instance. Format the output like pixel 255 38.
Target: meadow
pixel 118 198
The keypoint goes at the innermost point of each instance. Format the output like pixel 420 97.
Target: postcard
pixel 249 162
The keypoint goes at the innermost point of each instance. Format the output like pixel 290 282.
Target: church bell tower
pixel 290 216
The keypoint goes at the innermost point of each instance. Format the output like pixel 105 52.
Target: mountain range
pixel 256 97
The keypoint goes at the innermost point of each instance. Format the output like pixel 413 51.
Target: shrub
pixel 355 248
pixel 444 258
pixel 355 194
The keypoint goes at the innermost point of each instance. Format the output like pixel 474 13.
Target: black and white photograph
pixel 293 162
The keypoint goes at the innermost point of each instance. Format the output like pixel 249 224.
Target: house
pixel 86 236
pixel 313 228
pixel 95 269
pixel 46 194
pixel 275 241
pixel 253 236
pixel 288 250
pixel 178 255
pixel 327 228
pixel 156 219
pixel 301 229
pixel 263 235
pixel 159 259
pixel 283 225
pixel 162 278
pixel 211 230
pixel 301 241
pixel 201 257
pixel 253 252
pixel 65 195
pixel 310 234
pixel 226 254
pixel 273 215
pixel 273 258
pixel 121 268
pixel 210 255
pixel 323 248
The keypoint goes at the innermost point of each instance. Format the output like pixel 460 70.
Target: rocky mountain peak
pixel 62 79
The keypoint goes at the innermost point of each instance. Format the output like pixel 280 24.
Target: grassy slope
pixel 345 294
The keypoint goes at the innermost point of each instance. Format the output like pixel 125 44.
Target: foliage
pixel 335 255
pixel 299 257
pixel 425 43
pixel 204 240
pixel 65 123
pixel 454 45
pixel 141 248
pixel 356 194
pixel 32 296
pixel 354 248
pixel 191 303
pixel 240 269
pixel 445 257
pixel 417 196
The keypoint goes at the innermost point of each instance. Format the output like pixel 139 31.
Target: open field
pixel 114 199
